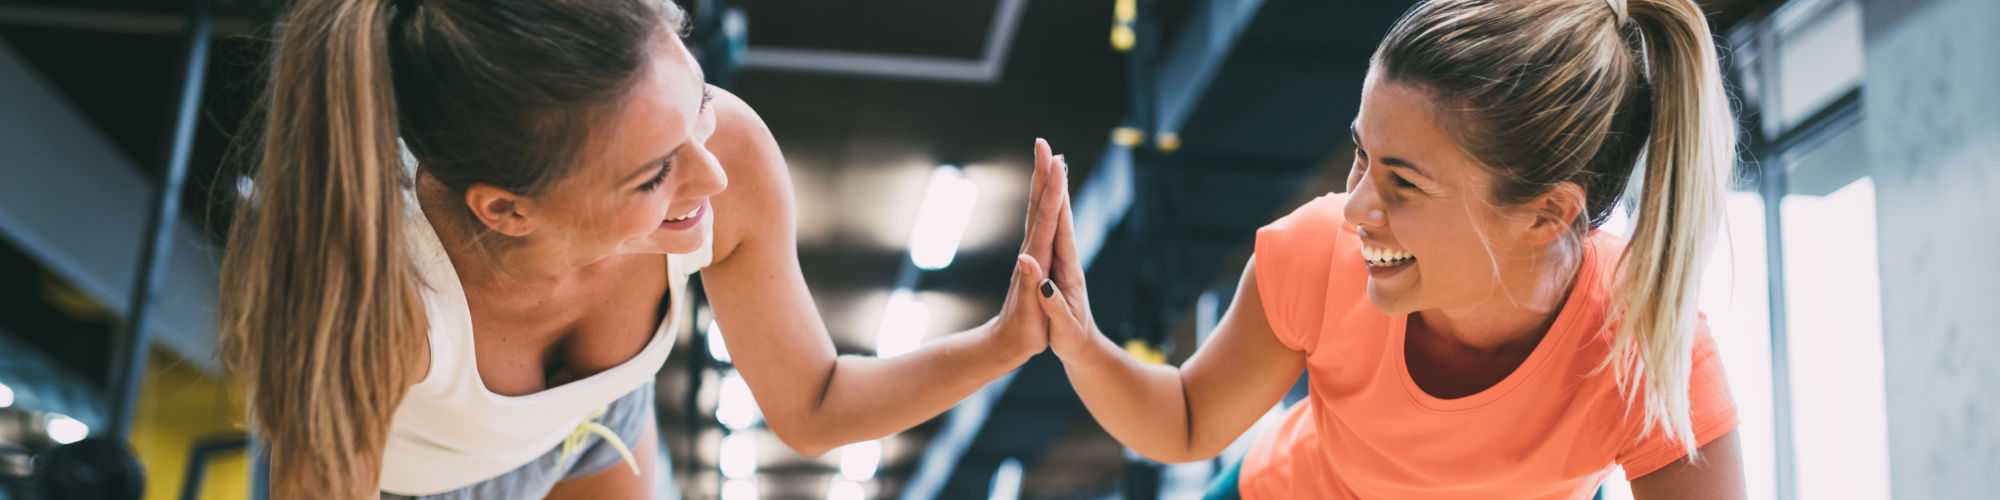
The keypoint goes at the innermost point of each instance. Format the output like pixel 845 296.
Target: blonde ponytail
pixel 1691 149
pixel 319 309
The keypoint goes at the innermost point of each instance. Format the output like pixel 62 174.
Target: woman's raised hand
pixel 1063 295
pixel 1021 321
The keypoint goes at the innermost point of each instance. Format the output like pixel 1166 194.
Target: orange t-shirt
pixel 1552 429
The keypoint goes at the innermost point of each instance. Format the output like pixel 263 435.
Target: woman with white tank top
pixel 487 325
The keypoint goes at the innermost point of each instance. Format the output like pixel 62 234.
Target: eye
pixel 1401 182
pixel 658 178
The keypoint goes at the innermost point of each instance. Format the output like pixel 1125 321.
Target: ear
pixel 1554 212
pixel 502 211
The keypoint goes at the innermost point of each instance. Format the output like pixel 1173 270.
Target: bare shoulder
pixel 758 201
pixel 738 130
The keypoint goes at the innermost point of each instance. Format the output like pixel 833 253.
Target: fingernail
pixel 1048 288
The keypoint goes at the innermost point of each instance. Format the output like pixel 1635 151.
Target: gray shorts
pixel 626 417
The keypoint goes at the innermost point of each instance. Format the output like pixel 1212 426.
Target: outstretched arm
pixel 1716 472
pixel 1166 413
pixel 812 398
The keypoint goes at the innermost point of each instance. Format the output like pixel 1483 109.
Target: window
pixel 1833 321
pixel 1814 417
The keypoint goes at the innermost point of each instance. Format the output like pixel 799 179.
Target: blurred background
pixel 1854 298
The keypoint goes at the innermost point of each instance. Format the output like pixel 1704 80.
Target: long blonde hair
pixel 320 312
pixel 1543 92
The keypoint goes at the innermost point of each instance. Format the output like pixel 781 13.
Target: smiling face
pixel 643 183
pixel 1429 237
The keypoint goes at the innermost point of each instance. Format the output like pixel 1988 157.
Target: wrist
pixel 1075 347
pixel 1015 346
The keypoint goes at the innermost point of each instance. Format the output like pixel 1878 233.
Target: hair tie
pixel 1617 8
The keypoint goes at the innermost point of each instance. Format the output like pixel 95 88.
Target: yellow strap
pixel 590 426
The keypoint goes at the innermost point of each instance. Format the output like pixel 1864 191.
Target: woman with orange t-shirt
pixel 1466 330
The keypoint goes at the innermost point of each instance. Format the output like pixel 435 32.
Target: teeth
pixel 1384 256
pixel 691 213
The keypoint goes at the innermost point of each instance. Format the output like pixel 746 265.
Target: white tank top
pixel 450 432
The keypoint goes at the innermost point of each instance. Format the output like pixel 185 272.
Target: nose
pixel 1364 201
pixel 704 177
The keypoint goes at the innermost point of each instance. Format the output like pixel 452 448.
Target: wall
pixel 1932 100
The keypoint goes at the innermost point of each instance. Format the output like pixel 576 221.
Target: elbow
pixel 1198 455
pixel 1194 449
pixel 809 451
pixel 1173 457
pixel 802 438
pixel 1177 456
pixel 1206 449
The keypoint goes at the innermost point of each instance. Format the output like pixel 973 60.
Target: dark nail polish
pixel 1048 288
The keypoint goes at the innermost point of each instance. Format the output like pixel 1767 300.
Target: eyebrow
pixel 655 163
pixel 1392 161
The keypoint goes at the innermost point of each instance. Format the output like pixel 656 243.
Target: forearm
pixel 867 397
pixel 1144 406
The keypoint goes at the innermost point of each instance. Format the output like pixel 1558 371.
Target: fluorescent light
pixel 858 461
pixel 715 348
pixel 842 489
pixel 738 459
pixel 941 218
pixel 6 396
pixel 903 323
pixel 1006 481
pixel 739 489
pixel 735 406
pixel 66 430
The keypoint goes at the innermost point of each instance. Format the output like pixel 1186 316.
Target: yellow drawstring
pixel 590 426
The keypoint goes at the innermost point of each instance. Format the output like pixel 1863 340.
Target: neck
pixel 1519 311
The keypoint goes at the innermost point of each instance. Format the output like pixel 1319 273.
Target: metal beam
pixel 985 71
pixel 961 425
pixel 198 457
pixel 77 206
pixel 113 21
pixel 1196 56
pixel 128 351
pixel 1104 201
